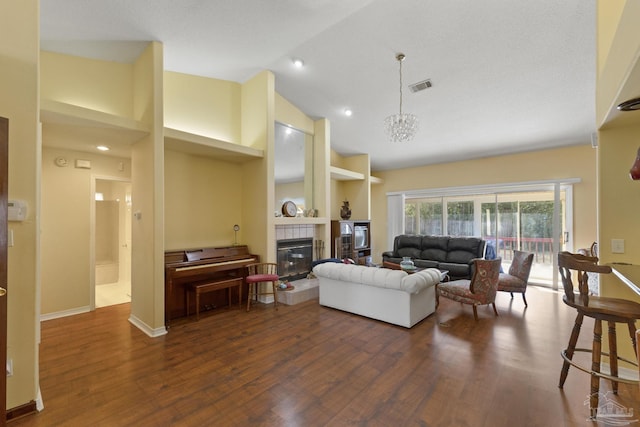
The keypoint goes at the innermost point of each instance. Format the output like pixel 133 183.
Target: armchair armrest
pixel 388 254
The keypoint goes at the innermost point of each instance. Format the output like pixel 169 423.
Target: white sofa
pixel 392 296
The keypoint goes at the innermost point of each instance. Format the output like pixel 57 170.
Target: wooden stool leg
pixel 494 308
pixel 475 312
pixel 240 295
pixel 571 348
pixel 613 355
pixel 632 333
pixel 249 295
pixel 275 295
pixel 595 367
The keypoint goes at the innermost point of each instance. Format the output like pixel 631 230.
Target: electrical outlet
pixel 9 367
pixel 617 246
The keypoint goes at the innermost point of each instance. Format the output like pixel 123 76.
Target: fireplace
pixel 294 258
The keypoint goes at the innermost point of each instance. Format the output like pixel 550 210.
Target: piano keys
pixel 193 265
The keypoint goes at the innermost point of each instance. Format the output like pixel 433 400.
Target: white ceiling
pixel 508 75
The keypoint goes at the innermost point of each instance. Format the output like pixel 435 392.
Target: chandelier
pixel 403 126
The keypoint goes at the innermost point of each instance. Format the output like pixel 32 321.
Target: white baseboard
pixel 39 402
pixel 153 333
pixel 623 371
pixel 64 313
pixel 266 299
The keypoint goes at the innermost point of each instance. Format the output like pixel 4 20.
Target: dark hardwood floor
pixel 306 365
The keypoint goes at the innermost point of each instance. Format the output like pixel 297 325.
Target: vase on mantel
pixel 345 210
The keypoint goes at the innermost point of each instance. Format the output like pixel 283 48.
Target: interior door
pixel 4 146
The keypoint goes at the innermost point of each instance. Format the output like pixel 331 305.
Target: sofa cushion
pixel 434 248
pixel 426 263
pixel 378 277
pixel 408 246
pixel 453 254
pixel 463 249
pixel 456 270
pixel 414 283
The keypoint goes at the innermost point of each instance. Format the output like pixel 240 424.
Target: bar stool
pixel 599 308
pixel 261 273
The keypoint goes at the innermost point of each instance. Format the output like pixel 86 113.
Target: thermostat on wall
pixel 17 210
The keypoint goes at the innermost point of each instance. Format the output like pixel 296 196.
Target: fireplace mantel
pixel 300 221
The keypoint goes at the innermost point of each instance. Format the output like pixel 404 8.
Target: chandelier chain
pixel 401 127
pixel 400 60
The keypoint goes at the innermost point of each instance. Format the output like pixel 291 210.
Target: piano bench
pixel 205 286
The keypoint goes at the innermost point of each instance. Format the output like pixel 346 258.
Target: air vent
pixel 417 87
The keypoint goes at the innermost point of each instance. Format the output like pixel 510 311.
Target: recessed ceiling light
pixel 348 112
pixel 102 148
pixel 298 63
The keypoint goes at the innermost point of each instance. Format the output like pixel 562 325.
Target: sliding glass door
pixel 525 221
pixel 532 221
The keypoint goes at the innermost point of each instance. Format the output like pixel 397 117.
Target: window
pixel 510 217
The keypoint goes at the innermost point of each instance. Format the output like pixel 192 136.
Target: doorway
pixel 112 242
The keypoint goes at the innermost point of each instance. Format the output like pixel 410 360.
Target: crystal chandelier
pixel 403 126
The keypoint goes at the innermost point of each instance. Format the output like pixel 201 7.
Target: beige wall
pixel 288 114
pixel 19 45
pixel 620 195
pixel 203 106
pixel 290 191
pixel 98 85
pixel 608 17
pixel 258 131
pixel 204 201
pixel 66 223
pixel 570 162
pixel 147 190
pixel 618 141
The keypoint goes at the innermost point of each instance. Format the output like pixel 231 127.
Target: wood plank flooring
pixel 306 365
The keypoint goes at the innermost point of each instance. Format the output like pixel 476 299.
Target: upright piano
pixel 193 265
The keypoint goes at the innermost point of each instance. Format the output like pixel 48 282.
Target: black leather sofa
pixel 446 253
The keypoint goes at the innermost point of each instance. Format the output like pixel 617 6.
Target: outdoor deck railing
pixel 542 247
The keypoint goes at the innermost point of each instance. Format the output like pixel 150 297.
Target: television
pixel 361 237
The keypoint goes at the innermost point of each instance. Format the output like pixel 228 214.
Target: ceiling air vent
pixel 417 87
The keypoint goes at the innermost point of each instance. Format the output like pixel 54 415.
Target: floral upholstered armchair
pixel 480 290
pixel 518 277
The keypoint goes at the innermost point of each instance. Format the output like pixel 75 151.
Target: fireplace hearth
pixel 294 257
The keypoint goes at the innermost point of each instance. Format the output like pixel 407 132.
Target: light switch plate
pixel 617 246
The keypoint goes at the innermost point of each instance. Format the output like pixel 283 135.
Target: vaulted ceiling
pixel 508 75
